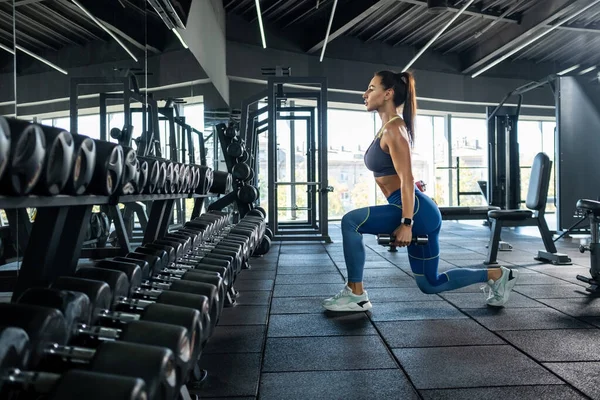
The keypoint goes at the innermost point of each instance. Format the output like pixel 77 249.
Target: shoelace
pixel 343 292
pixel 490 290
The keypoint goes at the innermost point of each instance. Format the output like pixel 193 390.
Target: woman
pixel 409 212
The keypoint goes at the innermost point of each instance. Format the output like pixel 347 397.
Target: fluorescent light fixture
pixel 101 25
pixel 437 35
pixel 587 70
pixel 536 38
pixel 260 23
pixel 328 30
pixel 29 53
pixel 570 69
pixel 176 32
pixel 5 48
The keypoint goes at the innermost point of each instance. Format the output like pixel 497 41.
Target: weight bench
pixel 591 209
pixel 463 213
pixel 537 196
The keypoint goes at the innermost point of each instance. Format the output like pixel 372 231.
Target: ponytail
pixel 405 95
pixel 409 111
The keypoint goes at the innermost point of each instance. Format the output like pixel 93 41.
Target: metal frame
pixel 311 164
pixel 275 93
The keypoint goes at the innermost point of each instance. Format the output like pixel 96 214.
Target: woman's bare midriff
pixel 388 184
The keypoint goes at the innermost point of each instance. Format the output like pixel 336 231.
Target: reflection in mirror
pixel 7 59
pixel 9 244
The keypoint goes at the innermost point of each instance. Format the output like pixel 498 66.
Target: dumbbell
pixel 109 168
pixel 180 309
pixel 152 181
pixel 25 157
pixel 82 171
pixel 77 310
pixel 135 281
pixel 58 161
pixel 205 179
pixel 47 331
pixel 130 175
pixel 120 287
pixel 74 384
pixel 222 182
pixel 387 240
pixel 142 171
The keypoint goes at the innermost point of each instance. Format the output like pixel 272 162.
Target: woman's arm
pixel 396 140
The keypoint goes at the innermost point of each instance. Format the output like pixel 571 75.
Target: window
pixel 469 161
pixel 349 134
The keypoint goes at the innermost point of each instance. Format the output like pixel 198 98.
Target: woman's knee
pixel 352 219
pixel 426 287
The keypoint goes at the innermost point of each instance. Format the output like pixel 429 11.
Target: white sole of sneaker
pixel 351 307
pixel 507 289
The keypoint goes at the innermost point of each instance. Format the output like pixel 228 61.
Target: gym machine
pixel 591 211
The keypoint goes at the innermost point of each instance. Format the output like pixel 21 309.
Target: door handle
pixel 327 189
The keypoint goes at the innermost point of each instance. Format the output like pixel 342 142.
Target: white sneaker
pixel 500 289
pixel 345 300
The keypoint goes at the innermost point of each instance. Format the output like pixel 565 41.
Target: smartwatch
pixel 406 221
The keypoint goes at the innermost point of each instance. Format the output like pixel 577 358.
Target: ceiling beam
pixel 471 11
pixel 354 11
pixel 125 21
pixel 538 16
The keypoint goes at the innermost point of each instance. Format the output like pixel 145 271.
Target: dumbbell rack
pixel 58 232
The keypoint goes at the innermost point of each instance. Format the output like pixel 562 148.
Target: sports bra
pixel 376 159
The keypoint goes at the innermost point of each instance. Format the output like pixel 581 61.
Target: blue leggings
pixel 423 259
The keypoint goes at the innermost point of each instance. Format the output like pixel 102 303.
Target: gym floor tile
pixel 414 310
pixel 236 339
pixel 326 353
pixel 392 281
pixel 557 345
pixel 264 267
pixel 512 319
pixel 244 315
pixel 374 384
pixel 266 284
pixel 399 294
pixel 463 367
pixel 591 320
pixel 297 305
pixel 230 398
pixel 433 333
pixel 303 279
pixel 551 392
pixel 478 300
pixel 385 272
pixel 304 269
pixel 585 376
pixel 379 264
pixel 551 291
pixel 229 375
pixel 252 274
pixel 530 277
pixel 322 324
pixel 311 290
pixel 254 298
pixel 576 307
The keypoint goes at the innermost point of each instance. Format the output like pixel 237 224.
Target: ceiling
pixel 51 25
pixel 484 32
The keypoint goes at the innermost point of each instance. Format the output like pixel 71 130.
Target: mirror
pixel 8 249
pixel 7 59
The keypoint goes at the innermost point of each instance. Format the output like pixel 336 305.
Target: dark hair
pixel 404 93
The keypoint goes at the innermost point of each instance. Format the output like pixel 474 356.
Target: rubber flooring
pixel 279 343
